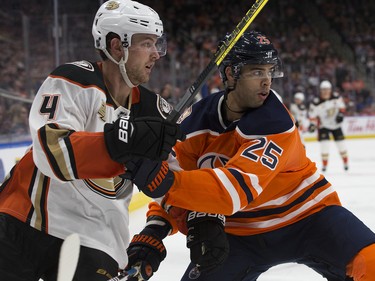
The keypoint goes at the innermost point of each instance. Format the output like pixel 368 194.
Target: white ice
pixel 355 187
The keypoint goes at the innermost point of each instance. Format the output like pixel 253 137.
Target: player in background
pixel 86 120
pixel 243 158
pixel 326 113
pixel 299 112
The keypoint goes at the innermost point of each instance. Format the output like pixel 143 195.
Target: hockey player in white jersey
pixel 86 120
pixel 299 112
pixel 327 114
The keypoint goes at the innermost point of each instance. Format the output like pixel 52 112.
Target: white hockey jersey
pixel 324 112
pixel 299 112
pixel 67 183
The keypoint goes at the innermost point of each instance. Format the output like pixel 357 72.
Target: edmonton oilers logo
pixel 212 160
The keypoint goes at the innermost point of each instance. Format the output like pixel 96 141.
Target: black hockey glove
pixel 312 128
pixel 146 250
pixel 206 240
pixel 152 177
pixel 150 137
pixel 339 117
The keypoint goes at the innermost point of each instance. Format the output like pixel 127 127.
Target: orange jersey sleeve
pixel 76 155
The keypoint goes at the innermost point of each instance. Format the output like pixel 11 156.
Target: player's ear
pixel 229 73
pixel 116 49
pixel 230 77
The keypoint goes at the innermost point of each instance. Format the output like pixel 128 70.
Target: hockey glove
pixel 152 177
pixel 150 137
pixel 312 128
pixel 339 117
pixel 146 250
pixel 207 240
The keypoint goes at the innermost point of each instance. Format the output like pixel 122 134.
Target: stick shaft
pixel 218 57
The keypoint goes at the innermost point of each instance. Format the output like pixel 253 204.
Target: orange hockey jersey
pixel 254 170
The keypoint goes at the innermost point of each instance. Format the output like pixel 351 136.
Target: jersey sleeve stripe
pixel 283 209
pixel 236 202
pixel 72 160
pixel 49 136
pixel 30 190
pixel 48 149
pixel 38 214
pixel 264 224
pixel 238 176
pixel 281 200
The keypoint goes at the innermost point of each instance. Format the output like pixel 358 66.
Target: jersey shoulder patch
pixel 83 73
pixel 149 103
pixel 83 64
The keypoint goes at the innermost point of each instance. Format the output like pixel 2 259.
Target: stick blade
pixel 69 255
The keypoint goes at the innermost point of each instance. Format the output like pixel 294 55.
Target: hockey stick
pixel 218 57
pixel 124 275
pixel 69 255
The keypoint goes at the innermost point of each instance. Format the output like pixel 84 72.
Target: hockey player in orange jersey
pixel 86 120
pixel 256 199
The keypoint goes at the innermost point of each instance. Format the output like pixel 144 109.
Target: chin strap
pixel 121 65
pixel 229 89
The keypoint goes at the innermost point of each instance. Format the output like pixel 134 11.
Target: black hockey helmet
pixel 251 48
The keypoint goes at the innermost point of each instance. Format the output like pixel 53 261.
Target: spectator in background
pixel 167 93
pixel 327 114
pixel 19 115
pixel 3 121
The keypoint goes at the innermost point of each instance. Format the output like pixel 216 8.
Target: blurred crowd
pixel 194 28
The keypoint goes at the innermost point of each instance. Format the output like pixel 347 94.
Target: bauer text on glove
pixel 207 240
pixel 150 137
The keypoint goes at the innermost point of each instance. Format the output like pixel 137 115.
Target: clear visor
pixel 150 45
pixel 262 72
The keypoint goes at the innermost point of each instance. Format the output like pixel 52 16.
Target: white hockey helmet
pixel 325 84
pixel 299 96
pixel 125 18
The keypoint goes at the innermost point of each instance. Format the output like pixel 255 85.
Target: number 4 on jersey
pixel 49 106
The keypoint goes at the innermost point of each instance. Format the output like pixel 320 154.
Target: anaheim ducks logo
pixel 212 160
pixel 112 5
pixel 163 107
pixel 83 64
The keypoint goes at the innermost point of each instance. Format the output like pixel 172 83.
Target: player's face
pixel 143 53
pixel 254 85
pixel 325 94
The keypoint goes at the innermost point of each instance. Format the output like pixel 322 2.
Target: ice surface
pixel 355 187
